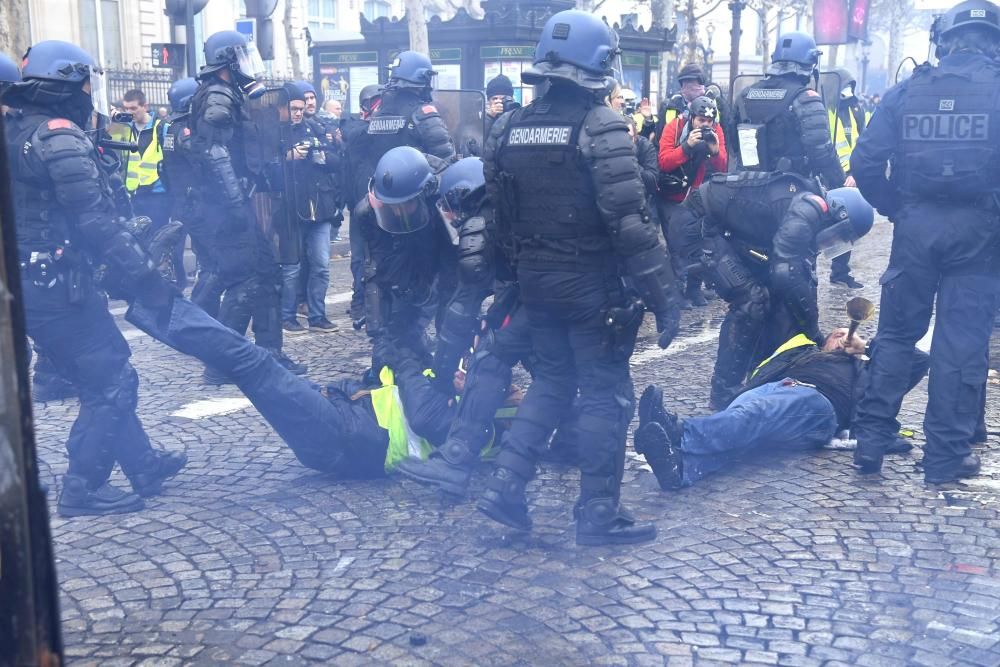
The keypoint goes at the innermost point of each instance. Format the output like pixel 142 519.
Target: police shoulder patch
pixel 429 108
pixel 811 93
pixel 59 124
pixel 766 94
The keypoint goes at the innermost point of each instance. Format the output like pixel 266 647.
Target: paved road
pixel 249 558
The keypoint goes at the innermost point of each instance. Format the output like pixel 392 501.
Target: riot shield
pixel 464 113
pixel 268 141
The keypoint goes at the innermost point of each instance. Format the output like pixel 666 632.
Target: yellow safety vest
pixel 843 142
pixel 640 121
pixel 799 340
pixel 403 442
pixel 141 170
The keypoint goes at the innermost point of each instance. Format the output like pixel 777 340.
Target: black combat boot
pixel 504 500
pixel 77 499
pixel 157 467
pixel 868 458
pixel 602 520
pixel 967 467
pixel 449 467
pixel 658 439
pixel 51 387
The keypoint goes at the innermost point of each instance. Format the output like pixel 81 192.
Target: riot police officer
pixel 563 175
pixel 241 262
pixel 757 235
pixel 782 118
pixel 66 221
pixel 406 115
pixel 939 132
pixel 9 74
pixel 179 174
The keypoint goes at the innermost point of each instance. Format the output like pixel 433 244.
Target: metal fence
pixel 154 83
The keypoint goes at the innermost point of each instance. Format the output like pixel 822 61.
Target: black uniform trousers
pixel 946 258
pixel 573 348
pixel 84 344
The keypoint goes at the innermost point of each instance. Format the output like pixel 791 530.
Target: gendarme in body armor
pixel 781 117
pixel 939 132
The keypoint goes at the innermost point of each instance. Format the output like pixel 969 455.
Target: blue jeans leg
pixel 317 247
pixel 289 287
pixel 772 415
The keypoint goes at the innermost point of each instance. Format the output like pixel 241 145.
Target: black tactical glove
pixel 668 321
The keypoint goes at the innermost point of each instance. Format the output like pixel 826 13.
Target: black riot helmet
pixel 399 190
pixel 228 49
pixel 368 99
pixel 9 72
pixel 973 24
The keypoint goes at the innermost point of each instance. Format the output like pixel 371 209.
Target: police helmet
pixel 53 60
pixel 576 46
pixel 969 13
pixel 462 188
pixel 851 218
pixel 9 72
pixel 796 47
pixel 368 95
pixel 230 49
pixel 411 69
pixel 704 106
pixel 181 92
pixel 399 189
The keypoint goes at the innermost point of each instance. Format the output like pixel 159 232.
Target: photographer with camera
pixel 499 99
pixel 691 146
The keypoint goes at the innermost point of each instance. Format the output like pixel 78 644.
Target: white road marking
pixel 212 407
pixel 675 347
pixel 342 564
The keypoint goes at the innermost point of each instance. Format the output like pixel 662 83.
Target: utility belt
pixel 46 269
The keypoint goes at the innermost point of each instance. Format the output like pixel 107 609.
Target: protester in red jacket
pixel 691 145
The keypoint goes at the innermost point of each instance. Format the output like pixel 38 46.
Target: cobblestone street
pixel 250 558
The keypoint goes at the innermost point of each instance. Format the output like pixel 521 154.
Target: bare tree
pixel 292 42
pixel 417 24
pixel 898 18
pixel 446 9
pixel 589 5
pixel 15 36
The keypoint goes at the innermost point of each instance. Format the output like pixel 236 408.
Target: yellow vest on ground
pixel 141 168
pixel 403 442
pixel 799 340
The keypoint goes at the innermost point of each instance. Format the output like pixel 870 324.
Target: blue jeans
pixel 774 415
pixel 316 248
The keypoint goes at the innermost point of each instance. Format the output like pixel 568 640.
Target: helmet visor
pixel 836 240
pixel 401 218
pixel 249 61
pixel 452 219
pixel 99 92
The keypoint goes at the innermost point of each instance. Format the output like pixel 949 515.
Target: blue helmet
pixel 462 189
pixel 53 60
pixel 230 49
pixel 181 92
pixel 9 72
pixel 851 218
pixel 796 47
pixel 411 69
pixel 399 189
pixel 576 46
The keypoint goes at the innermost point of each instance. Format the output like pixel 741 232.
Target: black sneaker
pixel 293 327
pixel 52 388
pixel 284 360
pixel 76 499
pixel 847 281
pixel 322 325
pixel 158 467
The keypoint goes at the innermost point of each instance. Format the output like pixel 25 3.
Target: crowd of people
pixel 584 211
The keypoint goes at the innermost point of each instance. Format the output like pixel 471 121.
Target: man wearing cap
pixel 690 145
pixel 692 82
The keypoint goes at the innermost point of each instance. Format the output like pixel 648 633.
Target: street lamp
pixel 736 7
pixel 866 49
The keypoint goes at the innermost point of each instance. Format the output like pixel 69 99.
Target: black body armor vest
pixel 768 126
